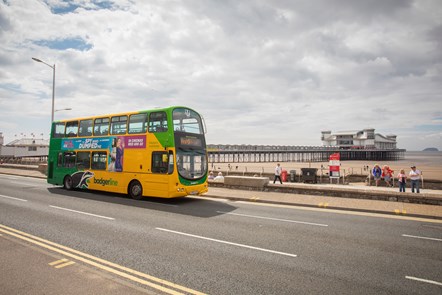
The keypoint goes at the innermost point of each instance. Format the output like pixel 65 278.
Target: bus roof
pixel 123 113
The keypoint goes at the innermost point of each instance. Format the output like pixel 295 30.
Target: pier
pixel 272 153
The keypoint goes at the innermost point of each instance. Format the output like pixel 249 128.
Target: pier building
pixel 359 139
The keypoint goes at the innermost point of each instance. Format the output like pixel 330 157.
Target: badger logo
pixel 79 179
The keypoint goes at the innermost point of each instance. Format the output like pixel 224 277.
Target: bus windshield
pixel 190 144
pixel 185 120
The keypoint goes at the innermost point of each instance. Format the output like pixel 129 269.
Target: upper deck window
pixel 138 123
pixel 101 126
pixel 185 120
pixel 72 129
pixel 158 122
pixel 59 130
pixel 119 125
pixel 85 128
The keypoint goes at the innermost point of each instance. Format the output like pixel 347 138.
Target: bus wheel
pixel 67 182
pixel 135 190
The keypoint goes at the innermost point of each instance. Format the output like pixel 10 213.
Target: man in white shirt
pixel 278 170
pixel 414 176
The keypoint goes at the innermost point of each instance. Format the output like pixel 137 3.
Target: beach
pixel 430 163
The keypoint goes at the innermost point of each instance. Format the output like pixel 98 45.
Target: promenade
pixel 392 208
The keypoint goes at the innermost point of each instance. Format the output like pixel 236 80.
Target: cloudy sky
pixel 260 72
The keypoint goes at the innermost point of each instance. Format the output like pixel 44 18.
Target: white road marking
pixel 12 198
pixel 81 212
pixel 423 238
pixel 424 280
pixel 275 219
pixel 226 242
pixel 345 212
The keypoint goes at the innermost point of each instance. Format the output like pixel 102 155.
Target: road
pixel 194 245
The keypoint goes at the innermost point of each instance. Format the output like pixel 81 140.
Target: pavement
pixel 323 201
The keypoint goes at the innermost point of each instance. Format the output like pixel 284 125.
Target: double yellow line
pixel 127 273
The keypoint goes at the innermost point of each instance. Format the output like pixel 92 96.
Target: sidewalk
pixel 364 205
pixel 22 172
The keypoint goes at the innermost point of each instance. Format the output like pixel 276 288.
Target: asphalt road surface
pixel 199 245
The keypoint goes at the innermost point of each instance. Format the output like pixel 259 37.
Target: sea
pixel 425 159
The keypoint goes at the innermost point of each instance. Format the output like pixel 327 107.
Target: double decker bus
pixel 151 153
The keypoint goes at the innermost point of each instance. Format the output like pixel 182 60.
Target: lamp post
pixel 65 109
pixel 53 85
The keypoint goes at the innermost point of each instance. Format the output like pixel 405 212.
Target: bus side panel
pixel 156 185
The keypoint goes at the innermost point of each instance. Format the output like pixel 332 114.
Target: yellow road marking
pixel 397 211
pixel 65 264
pixel 58 261
pixel 51 246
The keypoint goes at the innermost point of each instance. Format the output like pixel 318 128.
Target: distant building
pixel 359 139
pixel 24 148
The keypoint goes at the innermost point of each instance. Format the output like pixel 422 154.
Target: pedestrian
pixel 377 174
pixel 387 174
pixel 219 177
pixel 402 180
pixel 414 175
pixel 211 176
pixel 278 170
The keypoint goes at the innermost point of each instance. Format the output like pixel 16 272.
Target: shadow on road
pixel 185 206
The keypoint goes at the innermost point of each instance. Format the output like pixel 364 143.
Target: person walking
pixel 278 170
pixel 387 174
pixel 414 175
pixel 377 174
pixel 402 180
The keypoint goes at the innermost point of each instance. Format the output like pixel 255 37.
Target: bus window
pixel 170 162
pixel 72 129
pixel 69 159
pixel 158 122
pixel 118 125
pixel 83 160
pixel 85 128
pixel 101 126
pixel 160 162
pixel 137 123
pixel 59 130
pixel 99 160
pixel 60 160
pixel 185 120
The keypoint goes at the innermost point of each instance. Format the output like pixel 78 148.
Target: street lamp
pixel 65 109
pixel 53 85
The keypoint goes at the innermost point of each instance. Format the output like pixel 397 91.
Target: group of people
pixel 219 177
pixel 386 174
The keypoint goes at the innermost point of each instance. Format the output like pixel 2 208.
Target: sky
pixel 259 72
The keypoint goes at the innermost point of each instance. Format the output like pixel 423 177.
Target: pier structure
pixel 271 153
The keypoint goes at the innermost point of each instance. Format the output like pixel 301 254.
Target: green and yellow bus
pixel 152 153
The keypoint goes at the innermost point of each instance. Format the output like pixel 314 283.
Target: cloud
pixel 261 72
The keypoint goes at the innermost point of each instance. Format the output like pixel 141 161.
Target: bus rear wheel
pixel 67 182
pixel 135 190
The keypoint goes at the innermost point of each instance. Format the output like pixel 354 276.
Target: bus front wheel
pixel 135 190
pixel 67 182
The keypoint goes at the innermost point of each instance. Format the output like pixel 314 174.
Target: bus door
pixel 162 167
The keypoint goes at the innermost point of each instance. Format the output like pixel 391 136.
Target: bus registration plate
pixel 194 193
